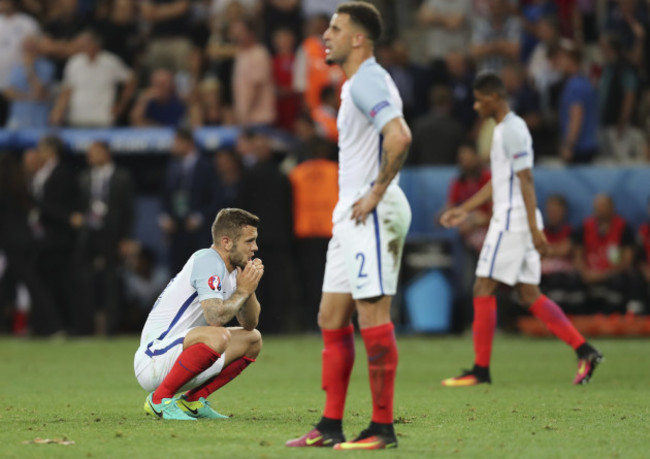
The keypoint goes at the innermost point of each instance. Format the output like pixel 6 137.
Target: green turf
pixel 86 391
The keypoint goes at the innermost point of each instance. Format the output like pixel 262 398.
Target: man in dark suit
pixel 190 200
pixel 55 192
pixel 267 192
pixel 108 199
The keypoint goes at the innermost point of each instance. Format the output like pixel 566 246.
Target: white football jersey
pixel 511 152
pixel 369 100
pixel 178 307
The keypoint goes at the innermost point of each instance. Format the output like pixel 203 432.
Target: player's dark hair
pixel 230 221
pixel 365 15
pixel 53 143
pixel 489 82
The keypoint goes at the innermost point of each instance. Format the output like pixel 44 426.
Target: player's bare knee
pixel 218 340
pixel 255 344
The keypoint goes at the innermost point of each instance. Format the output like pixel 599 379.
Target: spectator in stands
pixel 522 98
pixel 461 79
pixel 253 91
pixel 159 104
pixel 144 279
pixel 540 69
pixel 578 112
pixel 448 27
pixel 205 107
pixel 411 79
pixel 287 100
pixel 120 31
pixel 618 91
pixel 29 88
pixel 107 212
pixel 229 169
pixel 309 140
pixel 629 20
pixel 189 200
pixel 17 241
pixel 281 14
pixel 61 33
pixel 90 84
pixel 14 28
pixel 315 193
pixel 495 40
pixel 311 73
pixel 531 14
pixel 38 9
pixel 168 43
pixel 644 264
pixel 325 114
pixel 220 51
pixel 266 192
pixel 56 195
pixel 560 279
pixel 437 136
pixel 604 256
pixel 472 176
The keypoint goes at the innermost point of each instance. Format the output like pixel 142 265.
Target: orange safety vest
pixel 315 193
pixel 327 122
pixel 319 73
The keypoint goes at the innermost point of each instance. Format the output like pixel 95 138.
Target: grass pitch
pixel 85 390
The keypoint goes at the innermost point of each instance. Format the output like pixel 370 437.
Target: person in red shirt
pixel 560 279
pixel 287 100
pixel 604 257
pixel 644 265
pixel 471 178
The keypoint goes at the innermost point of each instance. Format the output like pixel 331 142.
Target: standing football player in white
pixel 371 220
pixel 514 242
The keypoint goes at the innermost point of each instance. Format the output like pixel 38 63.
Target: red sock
pixel 485 322
pixel 552 315
pixel 192 361
pixel 227 374
pixel 338 359
pixel 382 365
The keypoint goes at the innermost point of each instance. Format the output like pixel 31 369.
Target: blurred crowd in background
pixel 576 71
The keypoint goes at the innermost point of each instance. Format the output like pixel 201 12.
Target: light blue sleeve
pixel 207 275
pixel 518 146
pixel 371 95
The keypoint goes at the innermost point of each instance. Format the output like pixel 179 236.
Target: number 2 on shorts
pixel 361 256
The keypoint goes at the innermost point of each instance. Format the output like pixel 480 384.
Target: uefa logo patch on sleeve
pixel 379 107
pixel 215 283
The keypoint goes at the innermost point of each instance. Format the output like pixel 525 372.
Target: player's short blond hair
pixel 230 221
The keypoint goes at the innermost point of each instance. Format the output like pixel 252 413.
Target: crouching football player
pixel 184 344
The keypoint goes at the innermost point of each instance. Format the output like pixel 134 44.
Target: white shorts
pixel 509 257
pixel 364 260
pixel 153 362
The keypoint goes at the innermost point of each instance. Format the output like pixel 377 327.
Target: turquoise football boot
pixel 167 409
pixel 199 409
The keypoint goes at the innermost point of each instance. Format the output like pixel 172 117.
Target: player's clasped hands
pixel 249 277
